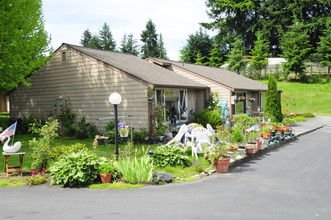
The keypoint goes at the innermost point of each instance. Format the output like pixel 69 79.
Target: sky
pixel 66 20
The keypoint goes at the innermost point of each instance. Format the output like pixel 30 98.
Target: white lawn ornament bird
pixel 11 148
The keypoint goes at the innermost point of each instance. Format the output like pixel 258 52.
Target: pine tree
pixel 162 51
pixel 260 52
pixel 95 42
pixel 216 56
pixel 86 38
pixel 150 42
pixel 129 45
pixel 106 38
pixel 296 49
pixel 198 42
pixel 324 48
pixel 236 58
pixel 199 59
pixel 273 108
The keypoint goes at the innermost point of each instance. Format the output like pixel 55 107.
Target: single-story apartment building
pixel 239 93
pixel 81 79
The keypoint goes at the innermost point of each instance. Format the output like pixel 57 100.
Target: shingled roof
pixel 218 75
pixel 138 68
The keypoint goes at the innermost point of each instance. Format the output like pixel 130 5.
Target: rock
pixel 162 177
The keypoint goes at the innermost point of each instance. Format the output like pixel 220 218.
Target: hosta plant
pixel 170 156
pixel 75 169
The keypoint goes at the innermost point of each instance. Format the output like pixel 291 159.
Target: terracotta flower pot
pixel 105 178
pixel 233 149
pixel 259 145
pixel 250 150
pixel 222 165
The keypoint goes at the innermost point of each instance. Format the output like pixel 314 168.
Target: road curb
pixel 259 153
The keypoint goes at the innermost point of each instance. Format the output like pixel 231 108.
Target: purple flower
pixel 120 125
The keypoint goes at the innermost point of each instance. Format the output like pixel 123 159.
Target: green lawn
pixel 302 97
pixel 102 150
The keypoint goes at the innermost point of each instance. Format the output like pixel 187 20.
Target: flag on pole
pixel 253 128
pixel 10 131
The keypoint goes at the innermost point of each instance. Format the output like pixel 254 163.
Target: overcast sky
pixel 66 20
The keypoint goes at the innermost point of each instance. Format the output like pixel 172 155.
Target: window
pixel 174 103
pixel 263 100
pixel 64 56
pixel 240 103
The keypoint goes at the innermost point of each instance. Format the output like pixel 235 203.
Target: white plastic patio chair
pixel 211 130
pixel 201 136
pixel 177 140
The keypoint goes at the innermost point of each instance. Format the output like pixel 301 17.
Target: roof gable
pixel 138 68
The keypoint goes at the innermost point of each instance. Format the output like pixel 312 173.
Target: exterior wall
pixel 3 103
pixel 224 93
pixel 196 101
pixel 83 85
pixel 252 107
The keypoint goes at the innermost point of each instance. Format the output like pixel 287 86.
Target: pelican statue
pixel 11 148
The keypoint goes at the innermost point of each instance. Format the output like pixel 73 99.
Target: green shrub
pixel 43 145
pixel 4 120
pixel 298 118
pixel 75 169
pixel 169 156
pixel 85 130
pixel 136 169
pixel 208 116
pixel 308 115
pixel 288 121
pixel 36 180
pixel 237 135
pixel 106 168
pixel 58 151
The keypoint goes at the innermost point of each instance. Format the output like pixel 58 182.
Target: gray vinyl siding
pixel 224 93
pixel 85 84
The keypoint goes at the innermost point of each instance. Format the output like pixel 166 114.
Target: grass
pixel 304 98
pixel 115 186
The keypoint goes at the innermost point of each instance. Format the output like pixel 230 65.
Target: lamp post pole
pixel 116 131
pixel 115 99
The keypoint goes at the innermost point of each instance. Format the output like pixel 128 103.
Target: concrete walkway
pixel 310 125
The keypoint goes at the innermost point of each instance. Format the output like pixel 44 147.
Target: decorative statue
pixel 11 148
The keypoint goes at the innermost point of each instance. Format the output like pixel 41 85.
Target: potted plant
pixel 105 172
pixel 123 129
pixel 218 156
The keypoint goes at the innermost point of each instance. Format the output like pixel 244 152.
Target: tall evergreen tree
pixel 216 56
pixel 150 42
pixel 95 42
pixel 86 38
pixel 296 48
pixel 199 59
pixel 236 57
pixel 245 17
pixel 106 38
pixel 129 45
pixel 23 42
pixel 260 52
pixel 198 42
pixel 273 108
pixel 161 49
pixel 324 48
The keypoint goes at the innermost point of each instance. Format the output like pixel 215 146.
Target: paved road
pixel 292 182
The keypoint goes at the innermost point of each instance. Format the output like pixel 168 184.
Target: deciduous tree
pixel 23 42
